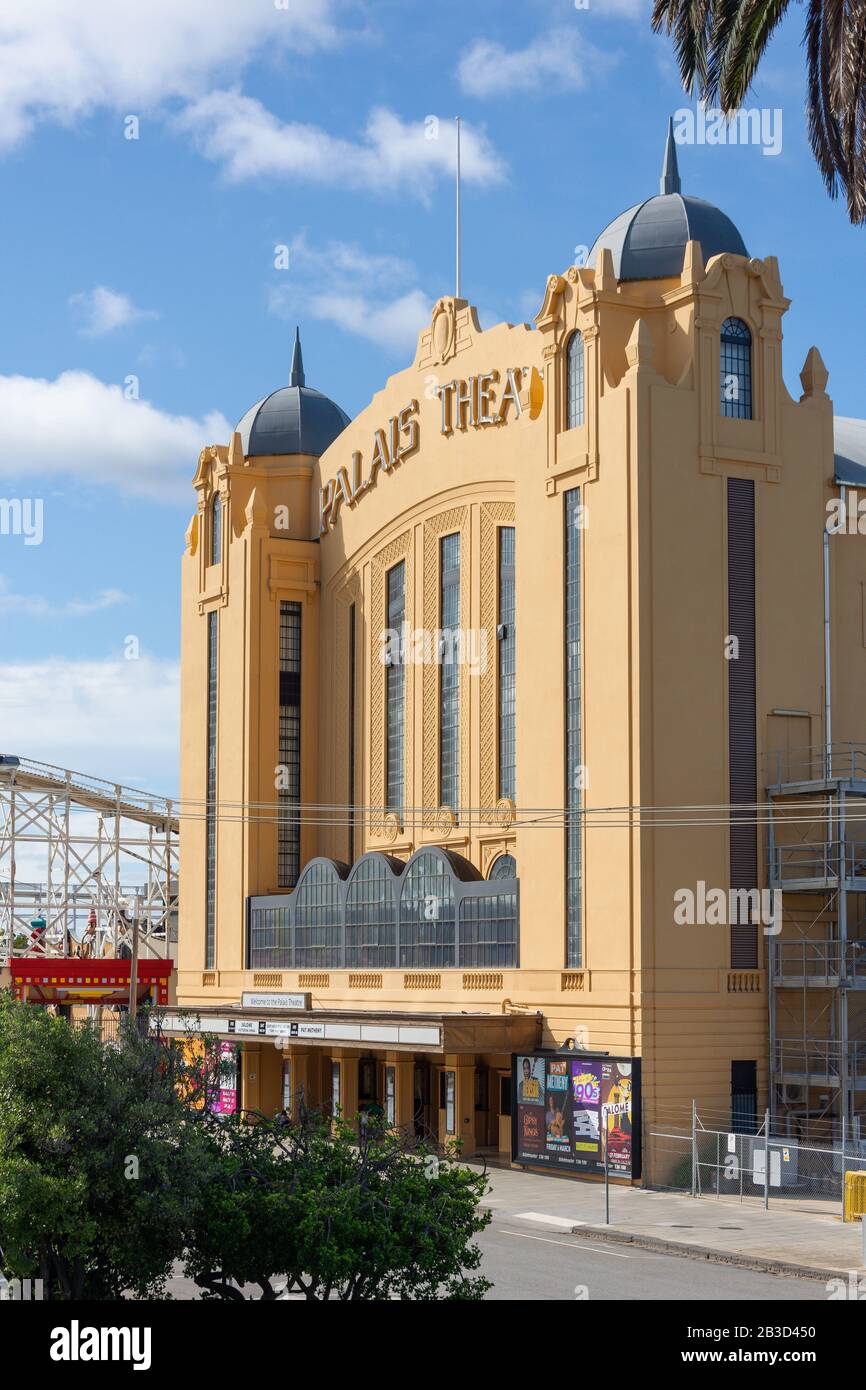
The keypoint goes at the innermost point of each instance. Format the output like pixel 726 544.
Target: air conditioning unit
pixel 791 1095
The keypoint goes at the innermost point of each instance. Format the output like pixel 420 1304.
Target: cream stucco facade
pixel 649 463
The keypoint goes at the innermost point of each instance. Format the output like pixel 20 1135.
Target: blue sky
pixel 302 124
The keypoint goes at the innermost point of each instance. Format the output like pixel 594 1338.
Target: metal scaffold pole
pixel 89 847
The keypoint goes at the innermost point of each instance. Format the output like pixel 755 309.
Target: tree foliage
pixel 98 1160
pixel 720 44
pixel 112 1170
pixel 337 1216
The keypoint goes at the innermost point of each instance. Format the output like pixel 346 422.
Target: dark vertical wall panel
pixel 742 730
pixel 573 781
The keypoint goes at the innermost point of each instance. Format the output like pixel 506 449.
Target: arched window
pixel 216 530
pixel 488 931
pixel 504 867
pixel 371 916
pixel 735 368
pixel 574 393
pixel 427 936
pixel 318 919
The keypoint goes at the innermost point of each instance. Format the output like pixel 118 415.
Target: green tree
pixel 335 1215
pixel 98 1160
pixel 719 46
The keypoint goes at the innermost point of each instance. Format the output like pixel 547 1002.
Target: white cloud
pixel 562 58
pixel 376 297
pixel 37 606
pixel 60 60
pixel 83 427
pixel 392 325
pixel 115 719
pixel 401 157
pixel 627 9
pixel 104 310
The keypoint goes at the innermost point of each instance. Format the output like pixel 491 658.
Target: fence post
pixel 766 1160
pixel 694 1148
pixel 844 1136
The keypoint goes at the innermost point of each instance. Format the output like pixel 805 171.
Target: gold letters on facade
pixel 463 403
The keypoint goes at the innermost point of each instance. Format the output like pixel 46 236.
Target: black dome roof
pixel 647 241
pixel 292 420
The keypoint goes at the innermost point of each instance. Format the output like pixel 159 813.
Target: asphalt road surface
pixel 527 1263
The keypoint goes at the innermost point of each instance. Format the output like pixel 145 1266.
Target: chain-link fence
pixel 699 1154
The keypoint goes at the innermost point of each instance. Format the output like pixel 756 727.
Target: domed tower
pixel 294 419
pixel 249 669
pixel 686 498
pixel 648 241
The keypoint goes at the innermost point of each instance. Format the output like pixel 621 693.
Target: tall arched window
pixel 318 919
pixel 735 368
pixel 371 919
pixel 427 931
pixel 574 381
pixel 216 530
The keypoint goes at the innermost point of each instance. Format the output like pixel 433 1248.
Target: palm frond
pixel 719 46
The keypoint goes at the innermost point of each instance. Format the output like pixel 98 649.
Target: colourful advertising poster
pixel 226 1094
pixel 572 1107
pixel 559 1134
pixel 530 1108
pixel 530 1131
pixel 616 1109
pixel 530 1081
pixel 586 1101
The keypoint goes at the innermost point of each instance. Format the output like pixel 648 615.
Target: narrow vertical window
pixel 574 392
pixel 744 1097
pixel 216 530
pixel 350 781
pixel 210 800
pixel 506 637
pixel 289 795
pixel 735 367
pixel 742 720
pixel 449 671
pixel 574 780
pixel 394 688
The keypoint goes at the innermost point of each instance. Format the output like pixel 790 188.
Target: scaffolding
pixel 95 859
pixel 816 854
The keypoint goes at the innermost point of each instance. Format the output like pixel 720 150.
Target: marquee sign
pixel 470 403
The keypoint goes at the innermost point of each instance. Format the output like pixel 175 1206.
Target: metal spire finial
pixel 296 377
pixel 670 179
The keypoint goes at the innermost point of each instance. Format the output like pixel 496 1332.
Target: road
pixel 527 1263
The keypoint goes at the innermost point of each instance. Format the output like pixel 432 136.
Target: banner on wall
pixel 224 1099
pixel 573 1108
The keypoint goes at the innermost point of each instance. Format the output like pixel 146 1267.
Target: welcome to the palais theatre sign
pixel 463 403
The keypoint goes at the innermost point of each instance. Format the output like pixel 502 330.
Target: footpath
pixel 781 1240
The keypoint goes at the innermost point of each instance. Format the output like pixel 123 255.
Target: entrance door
pixel 505 1112
pixel 421 1116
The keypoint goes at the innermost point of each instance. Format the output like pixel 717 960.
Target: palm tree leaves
pixel 719 45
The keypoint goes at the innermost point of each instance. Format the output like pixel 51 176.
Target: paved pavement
pixel 742 1234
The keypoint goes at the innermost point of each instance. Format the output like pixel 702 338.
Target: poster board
pixel 570 1107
